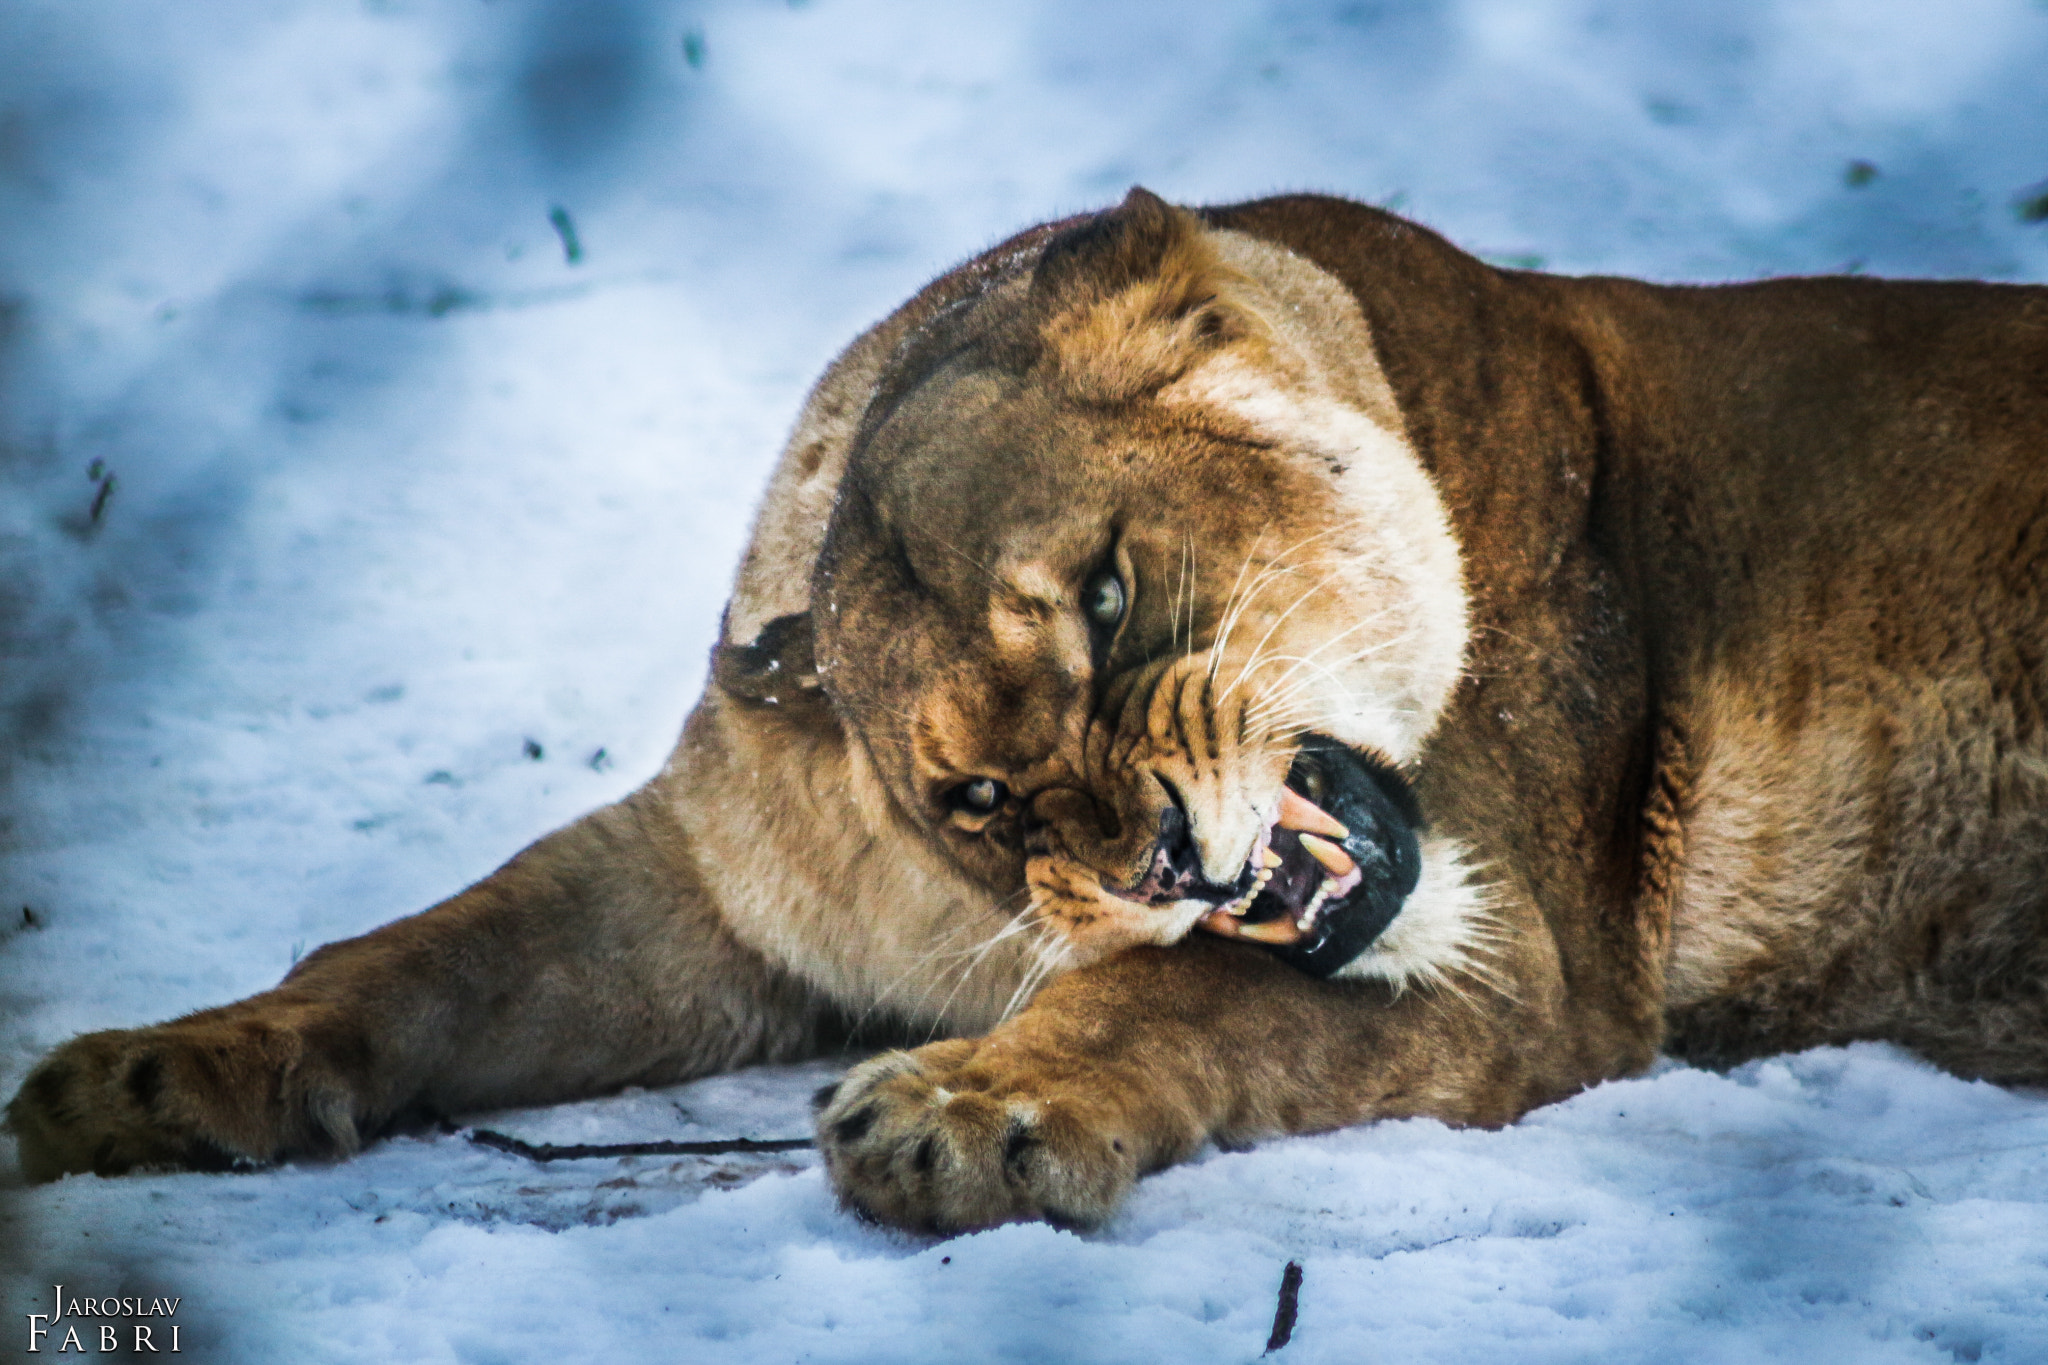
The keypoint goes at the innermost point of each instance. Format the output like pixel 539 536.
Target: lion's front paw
pixel 201 1094
pixel 939 1140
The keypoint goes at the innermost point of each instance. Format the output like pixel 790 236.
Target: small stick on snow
pixel 1290 1304
pixel 547 1151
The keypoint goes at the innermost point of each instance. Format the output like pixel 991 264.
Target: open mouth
pixel 1331 871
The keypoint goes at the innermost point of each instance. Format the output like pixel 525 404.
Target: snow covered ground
pixel 423 358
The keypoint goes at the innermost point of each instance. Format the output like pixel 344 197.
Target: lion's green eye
pixel 981 796
pixel 1103 599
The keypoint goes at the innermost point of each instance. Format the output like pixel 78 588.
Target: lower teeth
pixel 1303 921
pixel 1307 918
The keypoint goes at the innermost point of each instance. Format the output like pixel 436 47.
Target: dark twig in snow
pixel 1290 1304
pixel 565 228
pixel 547 1151
pixel 104 477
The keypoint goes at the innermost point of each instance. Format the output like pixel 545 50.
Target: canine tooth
pixel 1219 922
pixel 1278 931
pixel 1297 813
pixel 1335 860
pixel 1270 859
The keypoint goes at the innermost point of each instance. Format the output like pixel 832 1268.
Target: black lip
pixel 1385 822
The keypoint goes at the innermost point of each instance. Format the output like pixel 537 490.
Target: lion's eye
pixel 1103 599
pixel 981 796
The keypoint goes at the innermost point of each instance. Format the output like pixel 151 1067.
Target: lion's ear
pixel 1135 297
pixel 777 669
pixel 1110 251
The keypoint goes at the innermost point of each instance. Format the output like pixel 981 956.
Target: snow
pixel 399 488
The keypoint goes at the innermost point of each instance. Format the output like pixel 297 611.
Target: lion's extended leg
pixel 1130 1065
pixel 589 961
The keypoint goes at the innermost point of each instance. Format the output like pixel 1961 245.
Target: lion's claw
pixel 931 1141
pixel 193 1095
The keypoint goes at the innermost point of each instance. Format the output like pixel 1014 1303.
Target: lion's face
pixel 1157 660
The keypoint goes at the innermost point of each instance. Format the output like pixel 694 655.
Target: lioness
pixel 1254 670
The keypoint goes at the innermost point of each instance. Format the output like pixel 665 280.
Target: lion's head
pixel 1135 593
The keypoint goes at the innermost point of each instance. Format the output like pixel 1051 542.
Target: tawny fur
pixel 1707 624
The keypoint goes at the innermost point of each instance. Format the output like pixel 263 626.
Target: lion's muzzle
pixel 1329 874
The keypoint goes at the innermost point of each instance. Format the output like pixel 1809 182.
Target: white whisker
pixel 1235 608
pixel 1278 621
pixel 975 954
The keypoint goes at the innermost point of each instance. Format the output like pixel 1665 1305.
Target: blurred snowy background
pixel 384 392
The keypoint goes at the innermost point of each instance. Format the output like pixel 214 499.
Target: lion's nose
pixel 1175 856
pixel 1175 867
